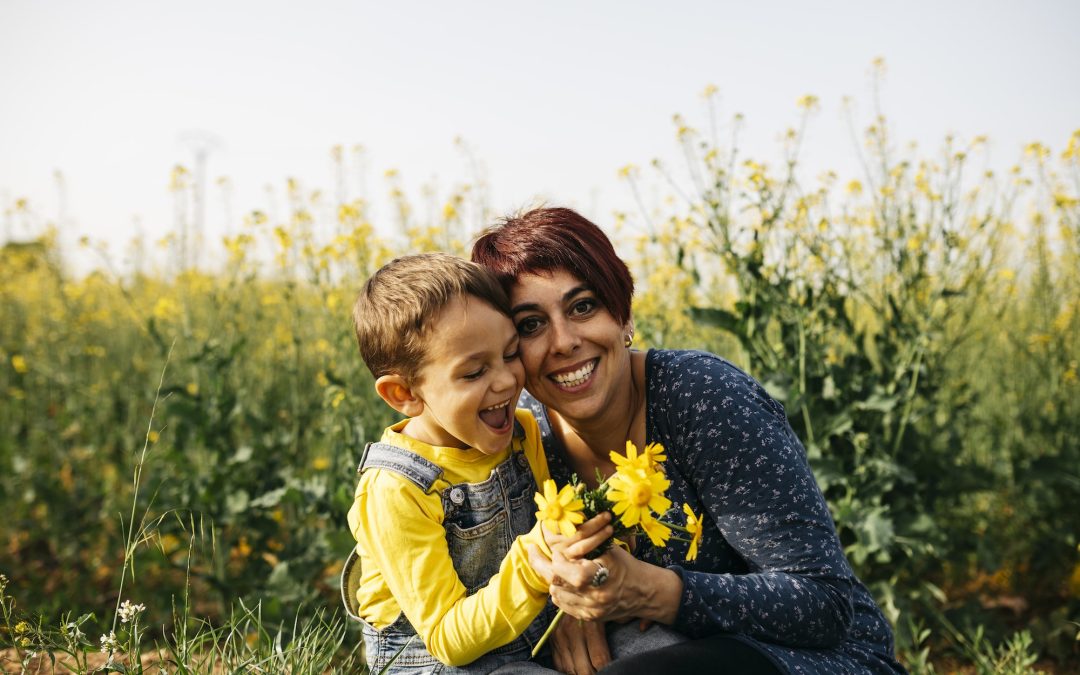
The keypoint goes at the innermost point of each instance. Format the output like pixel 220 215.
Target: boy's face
pixel 470 379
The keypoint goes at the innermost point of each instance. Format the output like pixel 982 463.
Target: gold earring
pixel 629 340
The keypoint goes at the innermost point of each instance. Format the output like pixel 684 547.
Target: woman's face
pixel 572 347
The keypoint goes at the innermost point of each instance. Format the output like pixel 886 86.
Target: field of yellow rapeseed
pixel 920 323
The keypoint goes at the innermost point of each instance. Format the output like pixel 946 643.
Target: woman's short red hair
pixel 550 239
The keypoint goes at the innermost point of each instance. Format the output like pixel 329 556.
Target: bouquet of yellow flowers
pixel 634 494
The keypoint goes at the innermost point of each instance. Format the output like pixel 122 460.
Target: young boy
pixel 444 508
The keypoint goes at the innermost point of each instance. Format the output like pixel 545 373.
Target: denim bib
pixel 481 521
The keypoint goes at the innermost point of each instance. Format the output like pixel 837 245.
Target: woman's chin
pixel 578 404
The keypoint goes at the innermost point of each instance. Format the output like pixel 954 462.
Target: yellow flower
pixel 560 511
pixel 631 460
pixel 152 436
pixel 338 398
pixel 19 364
pixel 807 102
pixel 166 308
pixel 192 389
pixel 22 627
pixel 449 211
pixel 348 212
pixel 284 239
pixel 693 528
pixel 320 464
pixel 242 548
pixel 634 491
pixel 658 532
pixel 654 454
pixel 169 543
pixel 649 459
pixel 1037 150
pixel 1070 375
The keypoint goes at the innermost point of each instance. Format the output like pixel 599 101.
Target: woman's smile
pixel 576 377
pixel 573 349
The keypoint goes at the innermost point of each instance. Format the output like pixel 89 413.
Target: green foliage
pixel 923 343
pixel 921 326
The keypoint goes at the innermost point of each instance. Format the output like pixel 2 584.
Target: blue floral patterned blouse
pixel 770 567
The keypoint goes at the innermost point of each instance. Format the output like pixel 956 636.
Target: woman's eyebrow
pixel 567 297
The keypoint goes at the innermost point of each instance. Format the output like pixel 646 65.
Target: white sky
pixel 553 97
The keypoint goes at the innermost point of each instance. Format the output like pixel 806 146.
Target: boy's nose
pixel 506 379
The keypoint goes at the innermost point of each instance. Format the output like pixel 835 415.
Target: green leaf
pixel 718 318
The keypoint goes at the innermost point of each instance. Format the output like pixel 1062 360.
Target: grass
pixel 920 323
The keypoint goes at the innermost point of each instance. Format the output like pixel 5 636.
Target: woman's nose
pixel 564 339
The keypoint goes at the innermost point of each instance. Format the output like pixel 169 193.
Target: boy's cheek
pixel 519 371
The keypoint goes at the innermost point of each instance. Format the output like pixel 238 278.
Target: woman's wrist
pixel 660 593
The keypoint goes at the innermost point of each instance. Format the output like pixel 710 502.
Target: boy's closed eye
pixel 475 375
pixel 479 372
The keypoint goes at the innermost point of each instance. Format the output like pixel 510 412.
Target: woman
pixel 770 590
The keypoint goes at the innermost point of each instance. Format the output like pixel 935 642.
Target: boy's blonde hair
pixel 395 309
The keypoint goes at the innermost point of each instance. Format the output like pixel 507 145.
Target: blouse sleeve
pixel 733 444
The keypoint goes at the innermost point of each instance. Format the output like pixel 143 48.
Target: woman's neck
pixel 589 442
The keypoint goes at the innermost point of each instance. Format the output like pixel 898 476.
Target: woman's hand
pixel 580 647
pixel 633 589
pixel 589 535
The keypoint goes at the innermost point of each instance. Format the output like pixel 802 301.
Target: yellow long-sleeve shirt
pixel 405 561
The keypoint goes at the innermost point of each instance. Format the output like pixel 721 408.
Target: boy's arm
pixel 400 530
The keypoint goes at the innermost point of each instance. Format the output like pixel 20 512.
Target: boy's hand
pixel 589 535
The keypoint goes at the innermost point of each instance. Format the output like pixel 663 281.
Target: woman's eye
pixel 528 325
pixel 583 307
pixel 512 355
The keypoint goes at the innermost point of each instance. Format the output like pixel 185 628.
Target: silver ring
pixel 601 575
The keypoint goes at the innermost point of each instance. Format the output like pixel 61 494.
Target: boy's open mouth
pixel 497 417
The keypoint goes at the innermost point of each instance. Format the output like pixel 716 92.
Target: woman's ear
pixel 395 390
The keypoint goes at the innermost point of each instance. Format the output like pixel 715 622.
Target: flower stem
pixel 547 633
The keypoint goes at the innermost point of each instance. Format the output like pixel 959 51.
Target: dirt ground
pixel 43 665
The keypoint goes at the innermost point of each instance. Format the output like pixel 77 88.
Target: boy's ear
pixel 395 390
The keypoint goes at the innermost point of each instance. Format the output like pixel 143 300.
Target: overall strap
pixel 420 471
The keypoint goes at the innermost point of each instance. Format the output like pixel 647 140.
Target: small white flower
pixel 109 643
pixel 128 611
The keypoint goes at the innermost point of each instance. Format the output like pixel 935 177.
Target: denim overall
pixel 481 521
